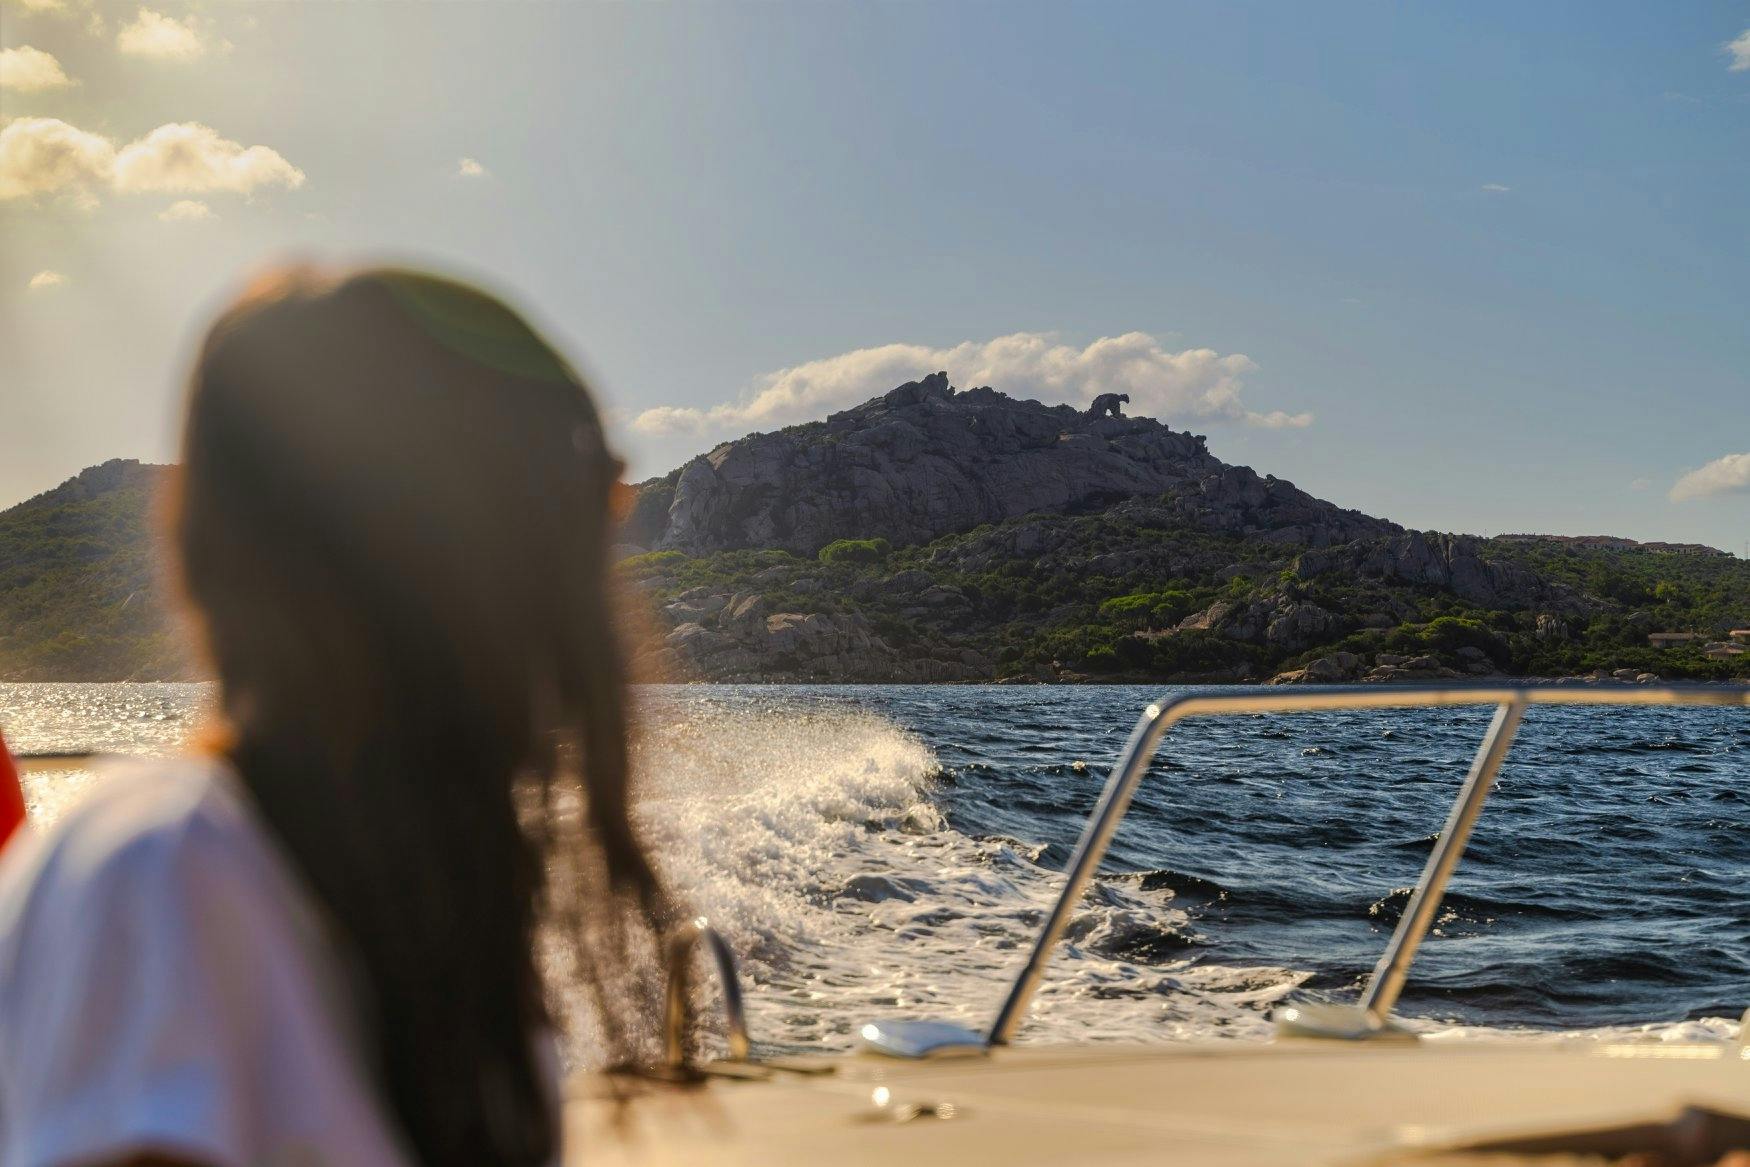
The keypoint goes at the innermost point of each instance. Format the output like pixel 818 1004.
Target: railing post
pixel 1126 774
pixel 680 950
pixel 1389 974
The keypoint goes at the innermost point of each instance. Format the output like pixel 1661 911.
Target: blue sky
pixel 1476 267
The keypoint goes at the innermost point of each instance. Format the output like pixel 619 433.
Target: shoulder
pixel 145 823
pixel 164 983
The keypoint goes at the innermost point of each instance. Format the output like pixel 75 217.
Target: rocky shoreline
pixel 1387 668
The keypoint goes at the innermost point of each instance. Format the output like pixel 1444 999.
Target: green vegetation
pixel 855 551
pixel 1109 591
pixel 1131 592
pixel 1149 609
pixel 79 596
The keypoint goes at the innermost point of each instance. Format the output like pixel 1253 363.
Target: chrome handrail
pixel 1388 977
pixel 681 943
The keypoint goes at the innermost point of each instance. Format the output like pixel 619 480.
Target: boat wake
pixel 815 838
pixel 859 877
pixel 812 839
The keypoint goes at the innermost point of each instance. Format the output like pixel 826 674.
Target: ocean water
pixel 890 851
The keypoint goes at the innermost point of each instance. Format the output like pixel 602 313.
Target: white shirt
pixel 166 985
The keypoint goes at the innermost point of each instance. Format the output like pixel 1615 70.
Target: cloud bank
pixel 80 10
pixel 190 157
pixel 46 279
pixel 1727 475
pixel 162 38
pixel 28 70
pixel 47 156
pixel 1176 386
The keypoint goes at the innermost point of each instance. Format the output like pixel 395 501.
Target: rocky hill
pixel 79 590
pixel 935 535
pixel 930 535
pixel 924 461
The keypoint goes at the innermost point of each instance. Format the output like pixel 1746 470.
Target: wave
pixel 811 837
pixel 863 872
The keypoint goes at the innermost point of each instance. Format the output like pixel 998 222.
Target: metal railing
pixel 676 1014
pixel 1370 1018
pixel 1387 982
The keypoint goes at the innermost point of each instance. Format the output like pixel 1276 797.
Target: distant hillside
pixel 923 461
pixel 934 535
pixel 79 596
pixel 930 534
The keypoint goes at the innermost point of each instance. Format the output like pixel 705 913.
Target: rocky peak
pixel 925 460
pixel 105 477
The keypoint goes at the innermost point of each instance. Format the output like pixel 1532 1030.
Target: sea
pixel 877 852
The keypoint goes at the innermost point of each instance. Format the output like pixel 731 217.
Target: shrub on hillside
pixel 652 561
pixel 855 551
pixel 1148 609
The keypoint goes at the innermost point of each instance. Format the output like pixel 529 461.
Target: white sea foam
pixel 813 838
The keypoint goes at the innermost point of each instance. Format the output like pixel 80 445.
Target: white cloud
pixel 186 211
pixel 45 279
pixel 47 156
pixel 1727 475
pixel 1640 484
pixel 163 38
pixel 468 168
pixel 81 9
pixel 1175 386
pixel 1496 188
pixel 28 70
pixel 190 157
pixel 1739 50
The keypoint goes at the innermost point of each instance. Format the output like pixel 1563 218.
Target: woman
pixel 321 940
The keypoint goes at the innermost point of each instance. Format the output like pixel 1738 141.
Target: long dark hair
pixel 393 526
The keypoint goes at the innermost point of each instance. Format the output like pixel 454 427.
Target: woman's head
pixel 393 525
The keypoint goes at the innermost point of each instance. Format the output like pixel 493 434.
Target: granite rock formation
pixel 923 461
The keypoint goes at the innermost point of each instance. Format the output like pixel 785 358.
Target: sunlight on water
pixel 890 852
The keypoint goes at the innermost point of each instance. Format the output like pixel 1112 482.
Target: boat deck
pixel 1220 1103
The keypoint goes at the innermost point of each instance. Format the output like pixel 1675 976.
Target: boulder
pixel 1551 627
pixel 1339 666
pixel 746 608
pixel 1300 625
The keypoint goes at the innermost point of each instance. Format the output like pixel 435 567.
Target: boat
pixel 1336 1085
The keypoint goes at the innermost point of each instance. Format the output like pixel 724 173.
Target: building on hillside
pixel 1741 635
pixel 1672 639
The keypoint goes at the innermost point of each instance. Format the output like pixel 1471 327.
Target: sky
pixel 1474 267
